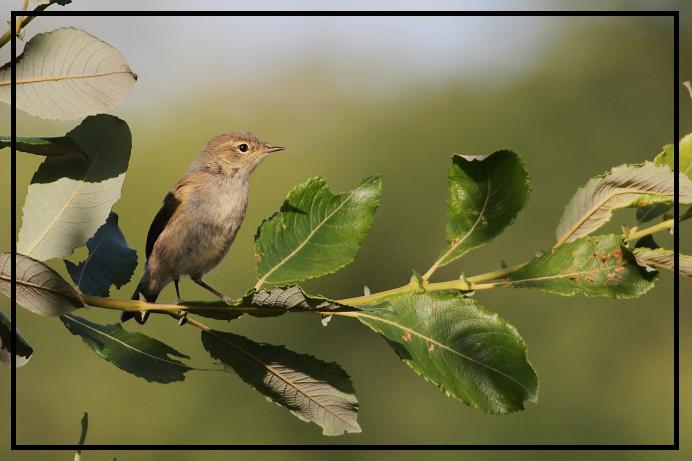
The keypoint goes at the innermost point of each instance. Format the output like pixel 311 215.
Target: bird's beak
pixel 270 149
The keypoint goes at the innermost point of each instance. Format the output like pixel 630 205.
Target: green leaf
pixel 485 196
pixel 661 258
pixel 24 350
pixel 453 342
pixel 39 288
pixel 48 147
pixel 267 303
pixel 667 156
pixel 315 232
pixel 135 353
pixel 110 262
pixel 69 197
pixel 623 186
pixel 309 388
pixel 599 265
pixel 68 74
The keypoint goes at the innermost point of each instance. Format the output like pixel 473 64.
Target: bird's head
pixel 234 152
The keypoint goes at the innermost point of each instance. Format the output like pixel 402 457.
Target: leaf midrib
pixel 63 77
pixel 470 231
pixel 68 296
pixel 267 274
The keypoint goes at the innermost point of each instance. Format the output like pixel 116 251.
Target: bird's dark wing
pixel 170 204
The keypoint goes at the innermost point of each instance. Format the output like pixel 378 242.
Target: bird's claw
pixel 182 320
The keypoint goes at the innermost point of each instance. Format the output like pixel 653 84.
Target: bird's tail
pixel 141 293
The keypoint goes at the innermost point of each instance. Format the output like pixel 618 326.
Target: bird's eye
pixel 243 147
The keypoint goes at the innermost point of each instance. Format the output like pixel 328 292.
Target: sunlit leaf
pixel 623 186
pixel 485 196
pixel 661 258
pixel 70 197
pixel 599 265
pixel 267 303
pixel 135 353
pixel 68 74
pixel 110 262
pixel 316 232
pixel 453 342
pixel 39 288
pixel 309 388
pixel 667 156
pixel 24 350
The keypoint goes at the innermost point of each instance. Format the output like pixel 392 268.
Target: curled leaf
pixel 24 350
pixel 661 258
pixel 268 303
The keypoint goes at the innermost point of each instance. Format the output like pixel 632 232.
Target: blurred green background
pixel 573 96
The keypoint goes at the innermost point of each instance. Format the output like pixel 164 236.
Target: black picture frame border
pixel 675 446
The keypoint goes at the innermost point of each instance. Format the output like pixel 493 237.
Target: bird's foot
pixel 182 320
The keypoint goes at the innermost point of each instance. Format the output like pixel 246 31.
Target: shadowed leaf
pixel 309 388
pixel 269 303
pixel 48 147
pixel 485 196
pixel 597 265
pixel 24 350
pixel 660 258
pixel 453 342
pixel 70 197
pixel 110 262
pixel 623 186
pixel 68 74
pixel 316 232
pixel 39 288
pixel 135 353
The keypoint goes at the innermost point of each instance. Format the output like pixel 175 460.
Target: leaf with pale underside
pixel 48 147
pixel 661 258
pixel 599 265
pixel 111 261
pixel 135 353
pixel 70 196
pixel 268 303
pixel 485 196
pixel 623 186
pixel 309 388
pixel 39 288
pixel 453 342
pixel 68 74
pixel 316 232
pixel 24 350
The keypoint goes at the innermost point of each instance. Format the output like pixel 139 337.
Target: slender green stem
pixel 484 281
pixel 664 225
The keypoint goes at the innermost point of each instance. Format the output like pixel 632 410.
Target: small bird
pixel 200 216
